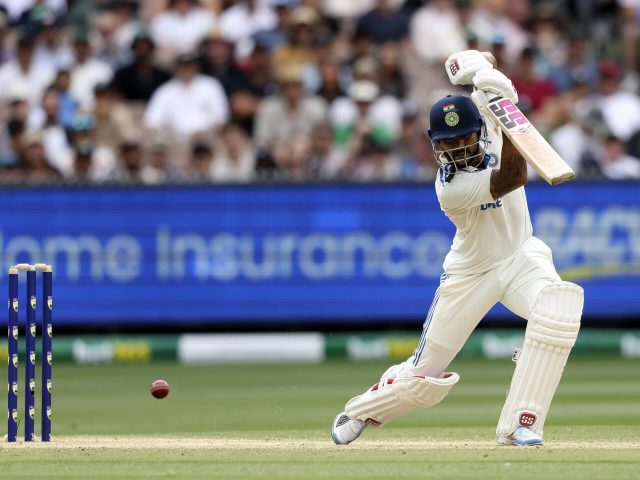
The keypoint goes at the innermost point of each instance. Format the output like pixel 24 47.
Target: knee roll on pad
pixel 388 400
pixel 551 333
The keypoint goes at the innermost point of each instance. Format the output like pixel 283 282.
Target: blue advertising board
pixel 290 253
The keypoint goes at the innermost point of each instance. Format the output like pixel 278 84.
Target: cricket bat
pixel 529 142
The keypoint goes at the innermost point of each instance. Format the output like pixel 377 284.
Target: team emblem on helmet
pixel 15 304
pixel 32 329
pixel 452 119
pixel 33 302
pixel 50 303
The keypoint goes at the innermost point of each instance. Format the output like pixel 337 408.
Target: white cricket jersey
pixel 488 230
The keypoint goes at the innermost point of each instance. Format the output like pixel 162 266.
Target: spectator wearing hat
pixel 138 80
pixel 235 159
pixel 86 74
pixel 298 51
pixel 217 60
pixel 288 113
pixel 365 113
pixel 25 71
pixel 189 103
pixel 181 27
pixel 385 23
pixel 436 31
pixel 246 17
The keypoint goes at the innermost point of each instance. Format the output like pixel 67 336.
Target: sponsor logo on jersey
pixel 487 206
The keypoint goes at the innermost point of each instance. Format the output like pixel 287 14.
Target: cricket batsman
pixel 494 258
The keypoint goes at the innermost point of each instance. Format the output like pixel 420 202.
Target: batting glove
pixel 462 66
pixel 495 84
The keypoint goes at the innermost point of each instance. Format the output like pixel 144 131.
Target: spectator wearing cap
pixel 288 113
pixel 235 159
pixel 217 60
pixel 138 80
pixel 181 27
pixel 385 23
pixel 189 103
pixel 25 71
pixel 365 113
pixel 47 119
pixel 86 74
pixel 17 100
pixel 436 31
pixel 246 17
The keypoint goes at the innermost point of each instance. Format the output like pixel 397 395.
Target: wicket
pixel 30 352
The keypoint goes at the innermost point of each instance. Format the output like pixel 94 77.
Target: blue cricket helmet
pixel 454 116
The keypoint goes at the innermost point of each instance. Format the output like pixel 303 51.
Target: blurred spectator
pixel 11 147
pixel 391 77
pixel 246 94
pixel 330 87
pixel 325 160
pixel 578 66
pixel 275 36
pixel 67 104
pixel 94 161
pixel 615 163
pixel 532 90
pixel 373 161
pixel 47 119
pixel 298 51
pixel 200 162
pixel 246 17
pixel 365 113
pixel 235 159
pixel 413 148
pixel 131 163
pixel 181 27
pixel 52 50
pixel 217 60
pixel 115 124
pixel 189 103
pixel 614 103
pixel 86 74
pixel 436 31
pixel 157 169
pixel 385 22
pixel 288 113
pixel 18 102
pixel 17 8
pixel 35 165
pixel 23 70
pixel 138 80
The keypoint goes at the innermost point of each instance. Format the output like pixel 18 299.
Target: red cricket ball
pixel 160 389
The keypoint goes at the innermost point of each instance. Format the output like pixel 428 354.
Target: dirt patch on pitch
pixel 159 443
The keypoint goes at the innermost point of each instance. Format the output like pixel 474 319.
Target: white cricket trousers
pixel 462 301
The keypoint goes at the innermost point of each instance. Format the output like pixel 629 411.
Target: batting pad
pixel 392 398
pixel 552 331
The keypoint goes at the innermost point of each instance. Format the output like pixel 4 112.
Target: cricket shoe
pixel 523 436
pixel 344 430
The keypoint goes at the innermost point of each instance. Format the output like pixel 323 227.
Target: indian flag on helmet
pixel 446 108
pixel 451 118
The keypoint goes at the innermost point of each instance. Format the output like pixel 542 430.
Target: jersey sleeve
pixel 467 190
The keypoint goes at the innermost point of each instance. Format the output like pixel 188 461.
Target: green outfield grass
pixel 272 421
